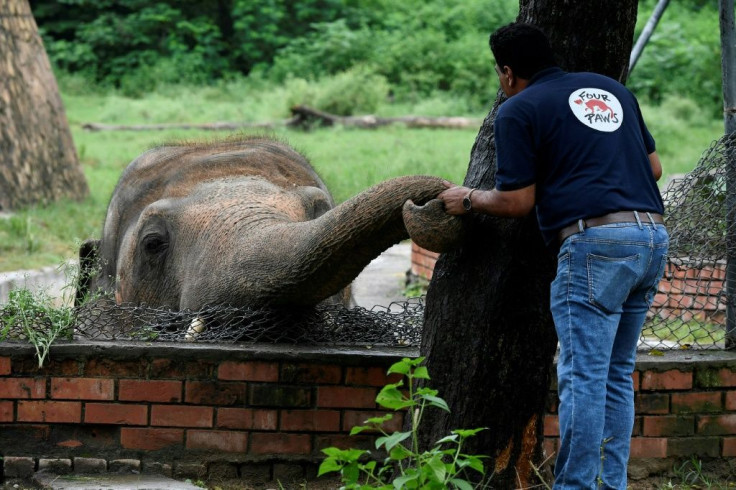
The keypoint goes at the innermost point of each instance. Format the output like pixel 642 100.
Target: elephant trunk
pixel 327 253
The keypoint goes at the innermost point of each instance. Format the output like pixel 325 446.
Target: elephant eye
pixel 154 244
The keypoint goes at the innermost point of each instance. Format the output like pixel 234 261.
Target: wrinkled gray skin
pixel 248 223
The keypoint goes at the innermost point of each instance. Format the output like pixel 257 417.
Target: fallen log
pixel 303 118
pixel 308 117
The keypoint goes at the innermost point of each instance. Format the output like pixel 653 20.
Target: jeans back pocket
pixel 611 279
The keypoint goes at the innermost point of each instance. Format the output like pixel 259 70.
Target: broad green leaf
pixel 426 391
pixel 438 402
pixel 360 428
pixel 391 397
pixel 451 438
pixel 333 451
pixel 401 367
pixel 379 420
pixel 468 432
pixel 474 462
pixel 329 465
pixel 404 480
pixel 399 452
pixel 461 484
pixel 421 373
pixel 392 440
pixel 438 467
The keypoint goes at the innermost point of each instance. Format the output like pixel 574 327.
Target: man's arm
pixel 508 204
pixel 656 165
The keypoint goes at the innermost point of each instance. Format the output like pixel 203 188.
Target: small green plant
pixel 442 466
pixel 34 317
pixel 415 287
pixel 691 474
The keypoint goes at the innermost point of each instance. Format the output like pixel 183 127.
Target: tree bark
pixel 488 334
pixel 38 161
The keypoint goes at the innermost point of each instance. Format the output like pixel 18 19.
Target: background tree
pixel 38 161
pixel 488 333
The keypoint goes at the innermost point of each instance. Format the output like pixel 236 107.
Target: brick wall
pixel 193 409
pixel 685 406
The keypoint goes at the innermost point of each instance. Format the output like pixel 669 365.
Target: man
pixel 575 146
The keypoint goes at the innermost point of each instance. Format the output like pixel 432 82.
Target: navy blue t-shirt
pixel 581 138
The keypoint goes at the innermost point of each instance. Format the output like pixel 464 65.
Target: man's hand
pixel 453 198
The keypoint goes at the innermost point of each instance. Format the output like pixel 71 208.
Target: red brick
pixel 115 368
pixel 22 388
pixel 248 371
pixel 636 379
pixel 649 447
pixel 182 369
pixel 346 397
pixel 551 425
pixel 731 400
pixel 729 447
pixel 369 376
pixel 181 416
pixel 310 420
pixel 280 396
pixel 136 390
pixel 214 393
pixel 113 413
pixel 673 379
pixel 726 378
pixel 668 425
pixel 311 373
pixel 48 411
pixel 82 388
pixel 4 366
pixel 150 439
pixel 247 418
pixel 279 443
pixel 219 440
pixel 652 403
pixel 6 411
pixel 709 401
pixel 717 424
pixel 351 418
pixel 343 441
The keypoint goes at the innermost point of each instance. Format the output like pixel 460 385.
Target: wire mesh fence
pixel 689 309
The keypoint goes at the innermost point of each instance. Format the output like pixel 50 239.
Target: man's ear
pixel 88 268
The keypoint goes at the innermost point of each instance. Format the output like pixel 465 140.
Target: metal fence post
pixel 728 52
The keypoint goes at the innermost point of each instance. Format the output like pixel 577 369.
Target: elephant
pixel 248 222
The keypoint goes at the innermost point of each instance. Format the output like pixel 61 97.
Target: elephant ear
pixel 430 227
pixel 89 267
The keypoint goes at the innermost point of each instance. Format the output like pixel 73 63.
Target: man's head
pixel 521 50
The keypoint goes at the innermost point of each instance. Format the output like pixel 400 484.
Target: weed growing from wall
pixel 443 466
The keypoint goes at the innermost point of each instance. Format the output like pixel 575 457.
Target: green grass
pixel 349 160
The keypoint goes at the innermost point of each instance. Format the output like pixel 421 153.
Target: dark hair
pixel 523 47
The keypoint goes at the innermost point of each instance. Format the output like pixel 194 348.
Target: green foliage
pixel 32 316
pixel 683 56
pixel 441 467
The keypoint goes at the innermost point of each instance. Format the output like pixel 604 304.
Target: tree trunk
pixel 488 334
pixel 38 162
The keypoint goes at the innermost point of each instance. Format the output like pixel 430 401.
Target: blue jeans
pixel 605 283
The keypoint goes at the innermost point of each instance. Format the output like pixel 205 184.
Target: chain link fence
pixel 689 309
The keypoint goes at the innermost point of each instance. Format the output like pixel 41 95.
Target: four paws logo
pixel 597 109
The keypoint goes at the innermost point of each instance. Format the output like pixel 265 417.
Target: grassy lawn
pixel 349 160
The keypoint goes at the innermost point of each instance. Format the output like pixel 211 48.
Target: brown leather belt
pixel 608 219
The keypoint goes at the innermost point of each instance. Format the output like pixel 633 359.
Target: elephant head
pixel 248 222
